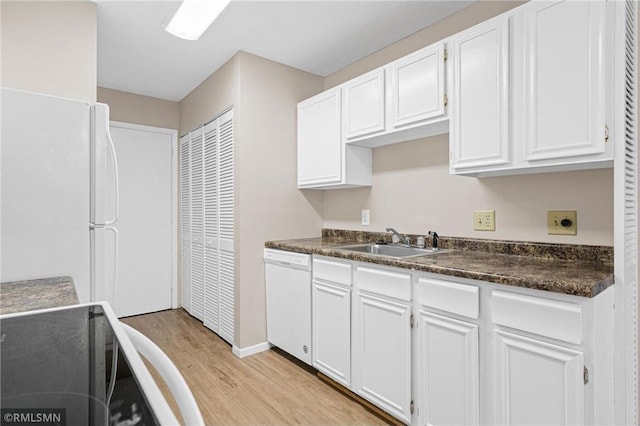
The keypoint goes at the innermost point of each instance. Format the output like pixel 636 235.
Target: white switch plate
pixel 364 214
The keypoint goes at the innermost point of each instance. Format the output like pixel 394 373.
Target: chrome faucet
pixel 434 237
pixel 406 240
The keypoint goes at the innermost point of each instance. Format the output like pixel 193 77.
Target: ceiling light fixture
pixel 193 17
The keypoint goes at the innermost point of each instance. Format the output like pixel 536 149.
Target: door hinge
pixel 446 100
pixel 606 133
pixel 411 407
pixel 411 320
pixel 586 375
pixel 446 55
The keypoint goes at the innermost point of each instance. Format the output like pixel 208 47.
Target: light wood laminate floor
pixel 263 389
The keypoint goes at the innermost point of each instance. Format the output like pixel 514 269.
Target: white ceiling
pixel 136 55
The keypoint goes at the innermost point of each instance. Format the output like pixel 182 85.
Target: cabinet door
pixel 447 371
pixel 364 104
pixel 564 79
pixel 332 331
pixel 479 120
pixel 537 382
pixel 418 86
pixel 382 354
pixel 320 153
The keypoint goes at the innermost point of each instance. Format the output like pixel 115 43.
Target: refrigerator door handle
pixel 116 180
pixel 114 288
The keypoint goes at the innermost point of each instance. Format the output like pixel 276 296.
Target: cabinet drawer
pixel 331 270
pixel 385 283
pixel 460 299
pixel 550 318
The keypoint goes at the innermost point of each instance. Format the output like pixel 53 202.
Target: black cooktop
pixel 59 365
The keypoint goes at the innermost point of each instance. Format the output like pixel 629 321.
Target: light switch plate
pixel 484 220
pixel 562 222
pixel 364 214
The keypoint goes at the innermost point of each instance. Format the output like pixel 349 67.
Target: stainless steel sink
pixel 390 250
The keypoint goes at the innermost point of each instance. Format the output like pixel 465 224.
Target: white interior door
pixel 146 260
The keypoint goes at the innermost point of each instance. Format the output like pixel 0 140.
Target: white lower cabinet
pixel 447 373
pixel 446 351
pixel 435 350
pixel 332 331
pixel 537 382
pixel 382 353
pixel 331 324
pixel 382 339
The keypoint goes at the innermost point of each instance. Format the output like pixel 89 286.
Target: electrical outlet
pixel 484 220
pixel 562 222
pixel 364 215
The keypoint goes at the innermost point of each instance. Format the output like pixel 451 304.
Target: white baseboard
pixel 251 350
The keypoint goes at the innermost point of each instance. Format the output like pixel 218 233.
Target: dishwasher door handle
pixel 283 264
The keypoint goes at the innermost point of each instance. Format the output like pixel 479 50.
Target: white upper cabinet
pixel 479 126
pixel 564 83
pixel 364 104
pixel 401 101
pixel 323 159
pixel 418 87
pixel 404 100
pixel 319 139
pixel 529 90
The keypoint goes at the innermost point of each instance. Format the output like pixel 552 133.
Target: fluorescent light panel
pixel 193 17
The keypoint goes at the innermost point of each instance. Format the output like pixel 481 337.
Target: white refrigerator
pixel 59 193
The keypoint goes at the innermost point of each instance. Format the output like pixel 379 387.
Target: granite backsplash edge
pixel 556 251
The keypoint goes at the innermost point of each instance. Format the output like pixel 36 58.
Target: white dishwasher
pixel 288 281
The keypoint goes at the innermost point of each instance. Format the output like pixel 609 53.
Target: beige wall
pixel 50 47
pixel 268 204
pixel 217 93
pixel 459 21
pixel 137 109
pixel 413 191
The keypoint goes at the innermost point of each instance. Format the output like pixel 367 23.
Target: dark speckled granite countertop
pixel 576 270
pixel 21 296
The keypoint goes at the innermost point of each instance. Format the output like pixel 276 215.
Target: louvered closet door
pixel 225 186
pixel 626 233
pixel 197 225
pixel 211 278
pixel 185 221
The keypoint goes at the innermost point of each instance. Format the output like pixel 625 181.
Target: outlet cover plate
pixel 555 225
pixel 364 215
pixel 484 220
